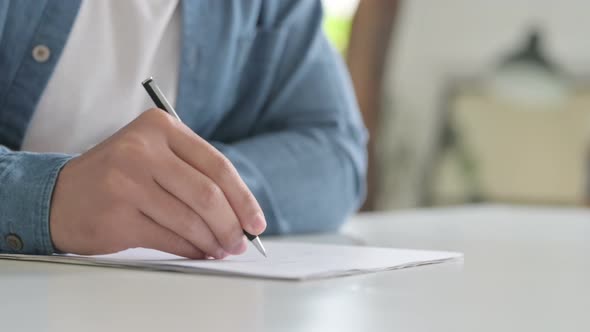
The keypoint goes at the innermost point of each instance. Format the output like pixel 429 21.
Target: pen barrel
pixel 158 97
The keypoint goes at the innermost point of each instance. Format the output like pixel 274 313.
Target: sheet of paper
pixel 289 261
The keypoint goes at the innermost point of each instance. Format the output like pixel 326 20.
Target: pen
pixel 162 103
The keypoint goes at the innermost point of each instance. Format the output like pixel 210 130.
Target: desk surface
pixel 524 270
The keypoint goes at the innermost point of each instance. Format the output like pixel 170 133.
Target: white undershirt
pixel 96 87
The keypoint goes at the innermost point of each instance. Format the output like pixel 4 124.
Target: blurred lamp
pixel 529 78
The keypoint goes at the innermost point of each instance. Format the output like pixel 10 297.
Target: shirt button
pixel 14 242
pixel 41 53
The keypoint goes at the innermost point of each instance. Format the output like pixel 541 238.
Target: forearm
pixel 306 179
pixel 26 186
pixel 305 158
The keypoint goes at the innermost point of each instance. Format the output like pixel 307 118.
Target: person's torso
pixel 94 90
pixel 229 52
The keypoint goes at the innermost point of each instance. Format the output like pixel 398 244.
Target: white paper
pixel 289 261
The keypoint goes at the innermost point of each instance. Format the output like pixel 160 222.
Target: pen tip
pixel 258 244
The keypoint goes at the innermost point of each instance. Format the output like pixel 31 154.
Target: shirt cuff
pixel 27 181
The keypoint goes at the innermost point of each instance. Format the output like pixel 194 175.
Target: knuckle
pixel 211 195
pixel 229 237
pixel 224 168
pixel 152 114
pixel 133 147
pixel 159 117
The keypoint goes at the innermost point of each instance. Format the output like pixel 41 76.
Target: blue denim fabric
pixel 258 80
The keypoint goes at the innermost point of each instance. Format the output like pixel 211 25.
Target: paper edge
pixel 154 266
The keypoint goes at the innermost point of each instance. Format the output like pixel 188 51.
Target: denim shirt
pixel 258 80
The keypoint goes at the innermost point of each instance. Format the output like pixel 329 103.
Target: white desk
pixel 524 270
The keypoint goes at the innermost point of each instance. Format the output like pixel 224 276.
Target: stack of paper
pixel 288 261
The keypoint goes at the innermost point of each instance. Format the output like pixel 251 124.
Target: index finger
pixel 204 157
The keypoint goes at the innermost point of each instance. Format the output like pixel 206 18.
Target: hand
pixel 153 184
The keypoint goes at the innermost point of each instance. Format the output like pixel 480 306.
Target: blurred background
pixel 470 101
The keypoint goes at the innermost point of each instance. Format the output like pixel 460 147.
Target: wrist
pixel 27 180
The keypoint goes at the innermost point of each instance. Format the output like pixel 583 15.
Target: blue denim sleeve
pixel 306 162
pixel 26 186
